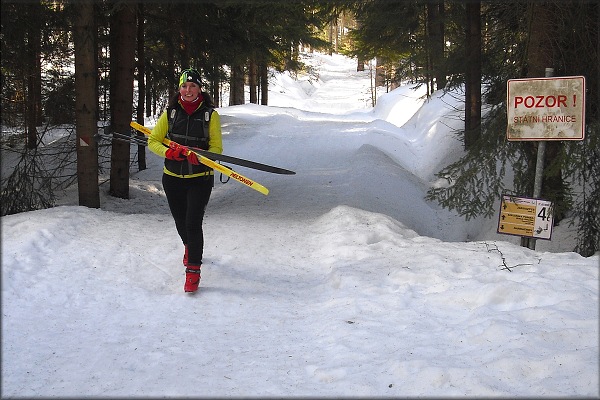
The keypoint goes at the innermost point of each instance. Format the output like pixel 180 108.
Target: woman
pixel 189 121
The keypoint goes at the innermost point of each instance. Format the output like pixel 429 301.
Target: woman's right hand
pixel 176 152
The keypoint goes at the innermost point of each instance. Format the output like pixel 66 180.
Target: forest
pixel 96 65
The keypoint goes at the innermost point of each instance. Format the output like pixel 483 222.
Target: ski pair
pixel 225 158
pixel 210 163
pixel 204 160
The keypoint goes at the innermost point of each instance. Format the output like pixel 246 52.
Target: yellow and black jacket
pixel 201 129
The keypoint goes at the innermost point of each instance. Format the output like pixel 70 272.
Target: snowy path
pixel 337 284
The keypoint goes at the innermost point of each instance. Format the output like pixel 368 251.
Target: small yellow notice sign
pixel 523 216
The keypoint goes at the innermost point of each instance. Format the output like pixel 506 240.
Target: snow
pixel 342 282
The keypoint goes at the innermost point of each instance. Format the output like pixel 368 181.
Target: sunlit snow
pixel 342 282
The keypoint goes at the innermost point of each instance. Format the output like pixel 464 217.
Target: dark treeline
pixel 130 53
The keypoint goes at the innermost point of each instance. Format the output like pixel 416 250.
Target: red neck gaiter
pixel 191 106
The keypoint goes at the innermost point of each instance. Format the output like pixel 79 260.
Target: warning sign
pixel 522 216
pixel 546 108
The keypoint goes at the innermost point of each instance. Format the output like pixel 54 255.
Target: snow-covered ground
pixel 341 282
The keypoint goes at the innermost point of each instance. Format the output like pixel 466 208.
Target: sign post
pixel 543 109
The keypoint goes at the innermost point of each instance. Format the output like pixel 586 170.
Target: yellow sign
pixel 522 216
pixel 546 108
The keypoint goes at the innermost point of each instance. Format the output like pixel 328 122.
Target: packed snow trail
pixel 320 289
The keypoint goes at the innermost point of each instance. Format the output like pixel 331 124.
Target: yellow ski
pixel 210 163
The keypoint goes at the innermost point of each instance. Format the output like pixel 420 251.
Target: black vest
pixel 188 130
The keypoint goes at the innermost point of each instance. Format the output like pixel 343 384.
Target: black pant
pixel 187 199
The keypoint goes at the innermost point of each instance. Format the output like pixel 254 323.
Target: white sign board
pixel 523 216
pixel 546 108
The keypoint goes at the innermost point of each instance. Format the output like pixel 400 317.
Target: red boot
pixel 185 256
pixel 192 278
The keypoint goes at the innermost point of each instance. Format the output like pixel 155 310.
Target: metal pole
pixel 539 167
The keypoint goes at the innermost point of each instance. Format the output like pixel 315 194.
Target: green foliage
pixel 27 188
pixel 38 174
pixel 494 166
pixel 394 33
pixel 60 101
pixel 215 35
pixel 474 183
pixel 583 168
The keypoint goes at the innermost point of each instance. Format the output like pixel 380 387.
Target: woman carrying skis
pixel 189 121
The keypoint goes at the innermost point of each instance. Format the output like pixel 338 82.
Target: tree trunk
pixel 34 70
pixel 473 74
pixel 149 109
pixel 435 22
pixel 141 72
pixel 539 57
pixel 331 37
pixel 264 84
pixel 360 64
pixel 215 85
pixel 236 95
pixel 123 43
pixel 380 73
pixel 253 81
pixel 86 104
pixel 172 29
pixel 336 38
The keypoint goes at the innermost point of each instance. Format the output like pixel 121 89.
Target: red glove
pixel 193 158
pixel 176 152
